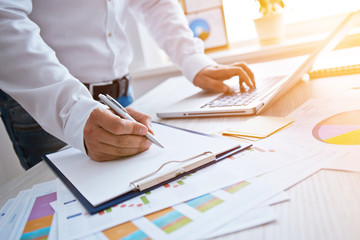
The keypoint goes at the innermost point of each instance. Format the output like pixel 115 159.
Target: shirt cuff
pixel 193 64
pixel 74 129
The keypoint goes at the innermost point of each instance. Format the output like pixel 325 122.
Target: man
pixel 55 54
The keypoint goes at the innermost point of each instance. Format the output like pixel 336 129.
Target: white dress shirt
pixel 47 47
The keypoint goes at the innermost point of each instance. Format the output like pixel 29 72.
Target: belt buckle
pixel 124 85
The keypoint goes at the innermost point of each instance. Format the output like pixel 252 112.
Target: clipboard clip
pixel 187 165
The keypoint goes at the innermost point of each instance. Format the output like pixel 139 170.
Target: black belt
pixel 117 88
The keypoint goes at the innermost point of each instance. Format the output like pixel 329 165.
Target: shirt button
pixel 109 34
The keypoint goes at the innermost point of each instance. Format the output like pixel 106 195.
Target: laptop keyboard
pixel 243 98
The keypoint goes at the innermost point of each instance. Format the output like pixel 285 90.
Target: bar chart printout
pixel 204 203
pixel 169 219
pixel 126 230
pixel 39 222
pixel 339 129
pixel 236 187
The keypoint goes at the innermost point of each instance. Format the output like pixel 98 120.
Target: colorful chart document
pixel 193 218
pixel 340 129
pixel 266 156
pixel 37 217
pixel 332 124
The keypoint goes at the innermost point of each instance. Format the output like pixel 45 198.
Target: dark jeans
pixel 29 140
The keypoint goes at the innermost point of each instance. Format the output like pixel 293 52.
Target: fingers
pixel 210 84
pixel 107 136
pixel 108 152
pixel 248 71
pixel 231 71
pixel 121 141
pixel 211 78
pixel 116 125
pixel 141 118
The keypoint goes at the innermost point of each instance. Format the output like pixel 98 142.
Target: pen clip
pixel 115 102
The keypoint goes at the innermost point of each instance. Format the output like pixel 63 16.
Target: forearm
pixel 168 25
pixel 31 73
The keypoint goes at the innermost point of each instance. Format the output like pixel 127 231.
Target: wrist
pixel 193 64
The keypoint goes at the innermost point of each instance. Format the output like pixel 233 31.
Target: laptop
pixel 205 104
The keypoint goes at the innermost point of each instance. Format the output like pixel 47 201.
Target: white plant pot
pixel 270 29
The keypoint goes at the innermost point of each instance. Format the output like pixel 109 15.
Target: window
pixel 307 21
pixel 239 15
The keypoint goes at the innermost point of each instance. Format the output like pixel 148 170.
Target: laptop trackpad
pixel 195 101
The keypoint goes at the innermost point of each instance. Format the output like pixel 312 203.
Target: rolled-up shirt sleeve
pixel 168 25
pixel 31 73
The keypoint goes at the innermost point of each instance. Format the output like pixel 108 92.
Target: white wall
pixel 9 163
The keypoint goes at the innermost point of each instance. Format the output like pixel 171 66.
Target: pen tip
pixel 159 145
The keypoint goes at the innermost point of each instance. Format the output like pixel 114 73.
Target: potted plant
pixel 270 25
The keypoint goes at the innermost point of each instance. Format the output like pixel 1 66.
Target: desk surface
pixel 324 206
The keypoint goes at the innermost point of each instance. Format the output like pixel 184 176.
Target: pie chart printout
pixel 200 28
pixel 339 129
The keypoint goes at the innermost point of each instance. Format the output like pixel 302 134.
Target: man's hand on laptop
pixel 211 77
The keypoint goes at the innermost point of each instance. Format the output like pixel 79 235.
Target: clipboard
pixel 100 185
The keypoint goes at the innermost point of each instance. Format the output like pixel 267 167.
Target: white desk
pixel 324 206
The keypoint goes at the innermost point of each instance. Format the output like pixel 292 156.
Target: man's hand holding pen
pixel 107 136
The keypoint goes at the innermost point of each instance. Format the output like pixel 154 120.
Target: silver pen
pixel 116 106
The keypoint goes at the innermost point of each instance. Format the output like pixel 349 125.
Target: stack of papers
pixel 33 214
pixel 258 127
pixel 174 210
pixel 240 189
